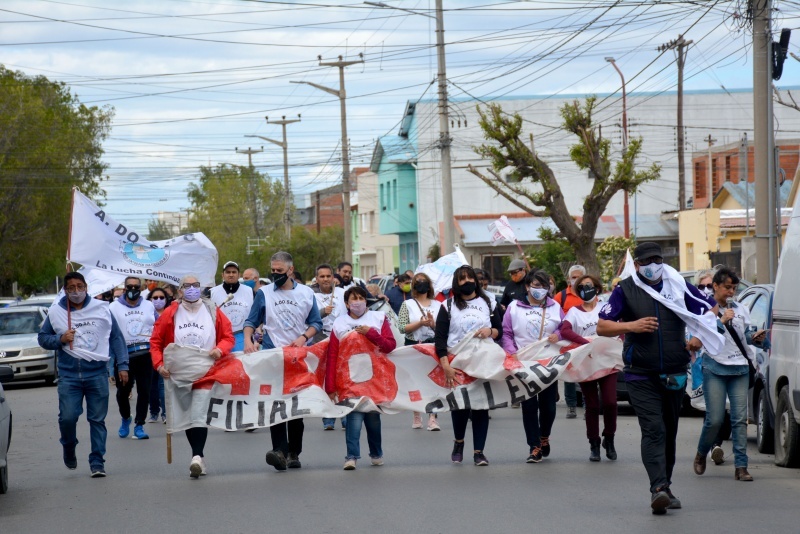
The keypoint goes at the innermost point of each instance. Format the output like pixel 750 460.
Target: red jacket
pixel 164 334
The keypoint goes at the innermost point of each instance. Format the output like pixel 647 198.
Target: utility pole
pixel 625 206
pixel 710 173
pixel 744 163
pixel 680 45
pixel 762 98
pixel 287 210
pixel 341 64
pixel 252 189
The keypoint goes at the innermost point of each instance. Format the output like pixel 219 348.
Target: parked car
pixel 36 300
pixel 758 300
pixel 784 366
pixel 384 281
pixel 6 375
pixel 19 347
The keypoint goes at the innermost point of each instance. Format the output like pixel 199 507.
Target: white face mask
pixel 538 293
pixel 651 272
pixel 708 292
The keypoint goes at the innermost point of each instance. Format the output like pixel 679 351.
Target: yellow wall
pixel 698 231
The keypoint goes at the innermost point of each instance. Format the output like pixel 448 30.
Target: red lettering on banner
pixel 381 387
pixel 511 363
pixel 226 370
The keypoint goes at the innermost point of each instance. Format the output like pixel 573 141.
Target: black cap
pixel 646 250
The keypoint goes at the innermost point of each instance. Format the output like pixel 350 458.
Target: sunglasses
pixel 188 285
pixel 159 298
pixel 134 288
pixel 703 286
pixel 648 261
pixel 516 271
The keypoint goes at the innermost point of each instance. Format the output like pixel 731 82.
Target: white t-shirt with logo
pixel 344 323
pixel 286 312
pixel 237 308
pixel 526 321
pixel 136 323
pixel 475 315
pixel 195 328
pixel 584 323
pixel 92 325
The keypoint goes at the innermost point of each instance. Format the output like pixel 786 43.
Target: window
pixel 727 168
pixel 736 244
pixel 699 181
pixel 714 176
pixel 383 204
pixel 372 220
pixel 394 194
pixel 760 312
pixel 365 228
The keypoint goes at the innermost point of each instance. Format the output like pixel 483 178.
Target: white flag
pixel 501 231
pixel 441 271
pixel 97 241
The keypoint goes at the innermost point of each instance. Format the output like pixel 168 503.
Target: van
pixel 783 371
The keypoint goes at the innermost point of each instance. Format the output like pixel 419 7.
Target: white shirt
pixel 92 325
pixel 730 353
pixel 237 308
pixel 136 323
pixel 195 328
pixel 526 321
pixel 475 315
pixel 344 323
pixel 415 310
pixel 583 323
pixel 286 312
pixel 339 308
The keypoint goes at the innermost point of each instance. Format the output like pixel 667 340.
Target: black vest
pixel 662 351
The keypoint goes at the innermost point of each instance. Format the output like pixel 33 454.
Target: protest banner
pixel 242 391
pixel 97 241
pixel 441 271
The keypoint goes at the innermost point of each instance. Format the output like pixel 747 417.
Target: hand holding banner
pixel 97 241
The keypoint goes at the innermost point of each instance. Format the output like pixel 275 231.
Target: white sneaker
pixel 197 467
pixel 350 465
pixel 433 424
pixel 718 455
pixel 417 421
pixel 377 461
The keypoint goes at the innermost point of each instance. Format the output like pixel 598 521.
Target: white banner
pixel 244 391
pixel 441 271
pixel 97 241
pixel 501 231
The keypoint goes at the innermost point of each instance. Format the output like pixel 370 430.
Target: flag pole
pixel 68 264
pixel 169 448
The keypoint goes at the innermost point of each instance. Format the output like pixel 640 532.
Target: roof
pixel 474 228
pixel 394 149
pixel 740 193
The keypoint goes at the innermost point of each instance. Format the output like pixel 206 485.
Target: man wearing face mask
pixel 84 335
pixel 136 317
pixel 250 278
pixel 290 316
pixel 400 292
pixel 515 289
pixel 234 299
pixel 568 300
pixel 656 357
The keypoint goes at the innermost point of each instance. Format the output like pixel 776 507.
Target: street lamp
pixel 444 123
pixel 626 213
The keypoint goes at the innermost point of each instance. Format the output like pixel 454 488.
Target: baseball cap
pixel 230 264
pixel 516 265
pixel 646 250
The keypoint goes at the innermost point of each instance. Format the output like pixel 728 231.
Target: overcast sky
pixel 189 79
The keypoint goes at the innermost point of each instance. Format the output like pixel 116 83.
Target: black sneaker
pixel 277 460
pixel 674 502
pixel 69 458
pixel 535 456
pixel 293 462
pixel 545 446
pixel 659 502
pixel 98 472
pixel 480 459
pixel 457 456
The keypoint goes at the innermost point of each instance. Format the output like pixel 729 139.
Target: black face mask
pixel 587 293
pixel 133 294
pixel 279 278
pixel 422 287
pixel 467 288
pixel 230 288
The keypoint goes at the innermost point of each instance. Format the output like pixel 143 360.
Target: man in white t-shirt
pixel 235 300
pixel 330 301
pixel 290 316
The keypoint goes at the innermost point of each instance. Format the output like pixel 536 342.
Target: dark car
pixel 758 300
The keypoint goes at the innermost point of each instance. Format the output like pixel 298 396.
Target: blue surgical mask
pixel 538 293
pixel 249 283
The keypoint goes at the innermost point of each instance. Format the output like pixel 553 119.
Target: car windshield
pixel 20 323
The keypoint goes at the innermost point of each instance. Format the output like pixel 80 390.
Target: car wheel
pixel 765 434
pixel 3 479
pixel 786 435
pixel 53 379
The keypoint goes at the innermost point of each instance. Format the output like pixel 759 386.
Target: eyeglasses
pixel 75 289
pixel 133 288
pixel 159 298
pixel 516 271
pixel 703 286
pixel 188 285
pixel 657 260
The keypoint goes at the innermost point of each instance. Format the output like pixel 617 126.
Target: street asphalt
pixel 417 490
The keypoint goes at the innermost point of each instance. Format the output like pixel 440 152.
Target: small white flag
pixel 441 271
pixel 97 241
pixel 501 231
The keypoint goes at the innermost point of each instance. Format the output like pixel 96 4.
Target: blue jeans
pixel 372 422
pixel 571 394
pixel 157 395
pixel 715 388
pixel 332 422
pixel 238 342
pixel 71 392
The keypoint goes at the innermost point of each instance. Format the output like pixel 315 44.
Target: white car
pixel 19 345
pixel 6 375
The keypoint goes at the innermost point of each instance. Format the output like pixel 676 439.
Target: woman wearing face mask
pixel 417 319
pixel 526 322
pixel 160 302
pixel 375 327
pixel 197 323
pixel 579 323
pixel 725 375
pixel 469 310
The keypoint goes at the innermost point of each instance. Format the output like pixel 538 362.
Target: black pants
pixel 538 415
pixel 288 437
pixel 140 370
pixel 480 426
pixel 658 410
pixel 197 440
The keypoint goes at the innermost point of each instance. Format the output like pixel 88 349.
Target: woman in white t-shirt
pixel 416 320
pixel 580 323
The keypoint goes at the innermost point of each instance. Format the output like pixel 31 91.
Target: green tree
pixel 554 256
pixel 158 230
pixel 308 249
pixel 231 203
pixel 49 143
pixel 611 254
pixel 507 150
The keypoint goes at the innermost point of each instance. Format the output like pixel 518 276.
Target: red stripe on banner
pixel 226 370
pixel 265 389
